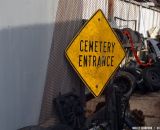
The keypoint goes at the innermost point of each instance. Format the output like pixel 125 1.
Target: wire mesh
pixel 60 76
pixel 136 15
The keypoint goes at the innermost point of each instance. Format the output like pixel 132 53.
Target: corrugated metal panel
pixel 149 19
pixel 26 29
pixel 91 6
pixel 146 18
pixel 126 11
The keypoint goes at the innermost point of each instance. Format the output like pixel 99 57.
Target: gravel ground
pixel 149 103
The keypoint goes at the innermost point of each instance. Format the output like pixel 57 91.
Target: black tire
pixel 123 38
pixel 137 37
pixel 119 34
pixel 137 73
pixel 132 33
pixel 126 40
pixel 151 77
pixel 157 64
pixel 125 82
pixel 70 110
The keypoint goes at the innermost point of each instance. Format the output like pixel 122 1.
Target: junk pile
pixel 139 71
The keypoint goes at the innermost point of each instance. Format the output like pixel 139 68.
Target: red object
pixel 127 33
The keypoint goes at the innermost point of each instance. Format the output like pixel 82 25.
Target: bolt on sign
pixel 95 53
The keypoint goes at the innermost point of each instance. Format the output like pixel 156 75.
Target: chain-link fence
pixel 138 16
pixel 121 14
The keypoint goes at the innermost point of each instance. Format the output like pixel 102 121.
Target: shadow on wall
pixel 61 78
pixel 24 53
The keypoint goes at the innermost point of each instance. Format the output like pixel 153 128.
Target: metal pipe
pixel 140 4
pixel 110 10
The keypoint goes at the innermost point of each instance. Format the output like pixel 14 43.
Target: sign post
pixel 95 53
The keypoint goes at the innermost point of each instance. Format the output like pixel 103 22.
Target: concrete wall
pixel 26 28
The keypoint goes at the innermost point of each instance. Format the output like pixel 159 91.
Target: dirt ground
pixel 150 105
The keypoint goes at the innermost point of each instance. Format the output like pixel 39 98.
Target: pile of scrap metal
pixel 112 114
pixel 142 60
pixel 140 70
pixel 108 116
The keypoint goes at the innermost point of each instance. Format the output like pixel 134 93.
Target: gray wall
pixel 26 28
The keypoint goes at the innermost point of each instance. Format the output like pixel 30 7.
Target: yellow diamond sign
pixel 95 53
